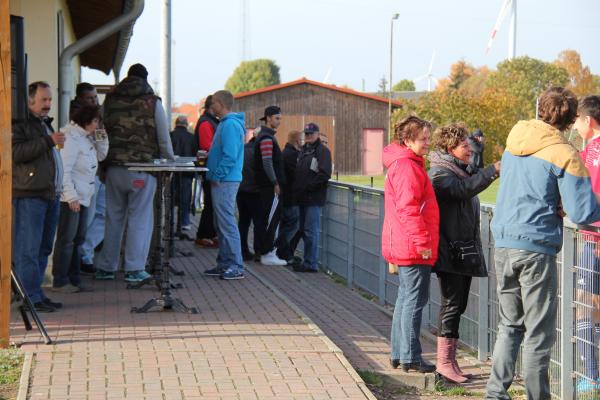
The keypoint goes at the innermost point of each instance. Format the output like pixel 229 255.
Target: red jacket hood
pixel 396 151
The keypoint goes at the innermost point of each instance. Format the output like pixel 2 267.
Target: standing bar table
pixel 164 171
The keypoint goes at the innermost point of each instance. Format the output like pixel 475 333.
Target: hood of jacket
pixel 132 86
pixel 236 118
pixel 529 137
pixel 73 129
pixel 396 151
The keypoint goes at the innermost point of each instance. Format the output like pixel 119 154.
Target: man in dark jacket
pixel 248 202
pixel 476 143
pixel 269 176
pixel 290 214
pixel 85 94
pixel 206 235
pixel 310 190
pixel 37 184
pixel 184 145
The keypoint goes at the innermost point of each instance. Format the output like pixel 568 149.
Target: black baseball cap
pixel 311 127
pixel 270 111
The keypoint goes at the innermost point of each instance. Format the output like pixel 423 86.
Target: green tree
pixel 382 86
pixel 252 75
pixel 492 111
pixel 405 85
pixel 524 78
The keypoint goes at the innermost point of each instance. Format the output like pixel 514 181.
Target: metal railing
pixel 351 247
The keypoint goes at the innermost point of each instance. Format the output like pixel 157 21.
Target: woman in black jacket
pixel 460 254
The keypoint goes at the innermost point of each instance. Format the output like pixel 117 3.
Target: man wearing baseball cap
pixel 310 190
pixel 268 175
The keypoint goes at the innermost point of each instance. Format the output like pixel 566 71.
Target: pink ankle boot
pixel 444 365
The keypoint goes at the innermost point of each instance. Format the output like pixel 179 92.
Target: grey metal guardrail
pixel 351 248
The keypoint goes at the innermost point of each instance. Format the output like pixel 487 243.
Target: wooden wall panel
pixel 5 174
pixel 351 114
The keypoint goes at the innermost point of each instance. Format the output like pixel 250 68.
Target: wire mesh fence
pixel 351 247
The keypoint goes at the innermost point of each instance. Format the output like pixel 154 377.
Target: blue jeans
pixel 96 222
pixel 413 295
pixel 230 249
pixel 71 233
pixel 310 226
pixel 34 227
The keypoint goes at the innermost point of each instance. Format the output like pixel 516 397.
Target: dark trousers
pixel 72 227
pixel 206 228
pixel 182 197
pixel 249 211
pixel 454 290
pixel 266 231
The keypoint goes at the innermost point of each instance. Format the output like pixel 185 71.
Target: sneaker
pixel 85 288
pixel 216 271
pixel 87 269
pixel 304 268
pixel 42 307
pixel 186 227
pixel 294 261
pixel 103 275
pixel 54 304
pixel 68 288
pixel 231 274
pixel 587 385
pixel 206 243
pixel 137 276
pixel 272 259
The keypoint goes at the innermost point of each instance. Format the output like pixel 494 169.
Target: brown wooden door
pixel 372 151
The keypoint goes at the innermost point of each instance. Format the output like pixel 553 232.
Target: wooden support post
pixel 5 174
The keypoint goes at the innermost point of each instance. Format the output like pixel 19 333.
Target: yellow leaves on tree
pixel 581 80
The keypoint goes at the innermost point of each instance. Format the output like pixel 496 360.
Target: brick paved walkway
pixel 357 326
pixel 247 343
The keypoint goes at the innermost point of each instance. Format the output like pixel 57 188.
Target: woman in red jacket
pixel 410 236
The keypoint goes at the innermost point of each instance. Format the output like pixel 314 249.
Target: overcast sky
pixel 350 39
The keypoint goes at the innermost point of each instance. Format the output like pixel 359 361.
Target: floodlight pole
pixel 394 17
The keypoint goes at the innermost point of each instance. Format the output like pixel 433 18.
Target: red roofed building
pixel 354 124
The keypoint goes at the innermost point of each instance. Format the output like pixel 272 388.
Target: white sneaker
pixel 272 259
pixel 186 227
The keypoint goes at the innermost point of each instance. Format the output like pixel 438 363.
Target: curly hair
pixel 409 129
pixel 448 137
pixel 558 107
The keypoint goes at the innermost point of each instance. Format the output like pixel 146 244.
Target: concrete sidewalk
pixel 246 343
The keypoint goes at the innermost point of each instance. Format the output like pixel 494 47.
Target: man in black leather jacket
pixel 37 183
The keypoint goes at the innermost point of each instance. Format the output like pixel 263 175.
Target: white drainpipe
pixel 65 72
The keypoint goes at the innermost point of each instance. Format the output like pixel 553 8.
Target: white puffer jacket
pixel 80 155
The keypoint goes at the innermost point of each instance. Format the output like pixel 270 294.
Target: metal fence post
pixel 350 255
pixel 382 264
pixel 483 320
pixel 325 234
pixel 566 312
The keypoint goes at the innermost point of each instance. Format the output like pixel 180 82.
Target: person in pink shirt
pixel 587 125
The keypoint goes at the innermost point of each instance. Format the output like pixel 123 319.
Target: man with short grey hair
pixel 37 184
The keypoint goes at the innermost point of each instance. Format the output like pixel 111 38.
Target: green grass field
pixel 488 196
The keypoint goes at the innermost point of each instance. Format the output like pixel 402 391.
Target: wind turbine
pixel 428 75
pixel 507 6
